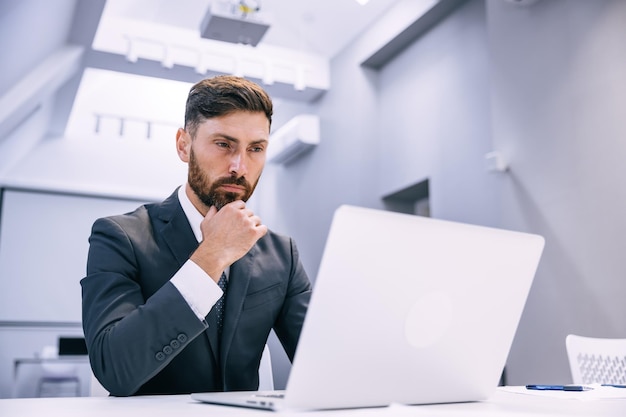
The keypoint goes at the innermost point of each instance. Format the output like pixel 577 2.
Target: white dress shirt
pixel 196 286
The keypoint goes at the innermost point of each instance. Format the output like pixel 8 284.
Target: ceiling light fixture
pixel 201 66
pixel 238 69
pixel 300 82
pixel 131 52
pixel 268 73
pixel 168 60
pixel 362 2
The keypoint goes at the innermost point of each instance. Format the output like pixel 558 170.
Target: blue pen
pixel 614 385
pixel 559 387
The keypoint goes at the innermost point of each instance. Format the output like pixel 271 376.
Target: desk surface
pixel 504 403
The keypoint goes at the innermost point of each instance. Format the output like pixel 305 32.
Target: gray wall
pixel 434 119
pixel 543 84
pixel 425 115
pixel 19 18
pixel 22 49
pixel 559 94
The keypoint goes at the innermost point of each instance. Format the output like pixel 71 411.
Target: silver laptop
pixel 405 309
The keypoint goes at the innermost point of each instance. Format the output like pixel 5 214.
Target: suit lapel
pixel 211 333
pixel 240 275
pixel 181 241
pixel 176 230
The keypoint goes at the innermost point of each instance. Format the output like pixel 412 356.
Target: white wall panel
pixel 43 253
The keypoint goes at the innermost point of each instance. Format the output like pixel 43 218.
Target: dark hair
pixel 221 95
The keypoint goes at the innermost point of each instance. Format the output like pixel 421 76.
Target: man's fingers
pixel 212 211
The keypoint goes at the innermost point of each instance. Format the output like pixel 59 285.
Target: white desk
pixel 503 404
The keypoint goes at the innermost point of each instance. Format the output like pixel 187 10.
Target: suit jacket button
pixel 167 350
pixel 160 356
pixel 182 338
pixel 175 344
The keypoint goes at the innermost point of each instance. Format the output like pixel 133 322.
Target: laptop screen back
pixel 411 310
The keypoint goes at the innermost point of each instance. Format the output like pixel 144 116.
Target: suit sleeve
pixel 130 338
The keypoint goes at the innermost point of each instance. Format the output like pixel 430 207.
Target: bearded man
pixel 181 296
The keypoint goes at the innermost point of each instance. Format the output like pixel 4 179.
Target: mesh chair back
pixel 596 360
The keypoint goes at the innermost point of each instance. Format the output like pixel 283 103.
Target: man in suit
pixel 151 297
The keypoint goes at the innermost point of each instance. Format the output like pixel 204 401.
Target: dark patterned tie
pixel 221 303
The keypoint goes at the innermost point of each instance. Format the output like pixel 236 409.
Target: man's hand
pixel 227 235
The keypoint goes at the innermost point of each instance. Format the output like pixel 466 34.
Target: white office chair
pixel 266 377
pixel 58 380
pixel 596 360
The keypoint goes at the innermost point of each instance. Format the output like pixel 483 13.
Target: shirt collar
pixel 193 215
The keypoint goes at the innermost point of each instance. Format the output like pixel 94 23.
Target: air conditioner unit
pixel 296 137
pixel 227 22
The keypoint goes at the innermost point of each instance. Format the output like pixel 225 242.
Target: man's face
pixel 225 158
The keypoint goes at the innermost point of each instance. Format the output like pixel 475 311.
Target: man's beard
pixel 209 193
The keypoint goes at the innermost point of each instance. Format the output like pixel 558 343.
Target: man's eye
pixel 258 149
pixel 223 144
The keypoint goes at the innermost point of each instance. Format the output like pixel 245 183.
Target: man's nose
pixel 237 165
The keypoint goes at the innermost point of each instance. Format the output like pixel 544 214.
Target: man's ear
pixel 183 144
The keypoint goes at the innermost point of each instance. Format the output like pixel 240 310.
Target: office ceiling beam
pixel 82 32
pixel 40 84
pixel 401 26
pixel 151 68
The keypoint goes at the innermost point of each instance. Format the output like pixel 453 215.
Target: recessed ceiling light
pixel 362 2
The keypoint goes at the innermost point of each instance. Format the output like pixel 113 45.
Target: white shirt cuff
pixel 197 288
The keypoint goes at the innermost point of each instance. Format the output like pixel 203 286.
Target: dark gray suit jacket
pixel 142 336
